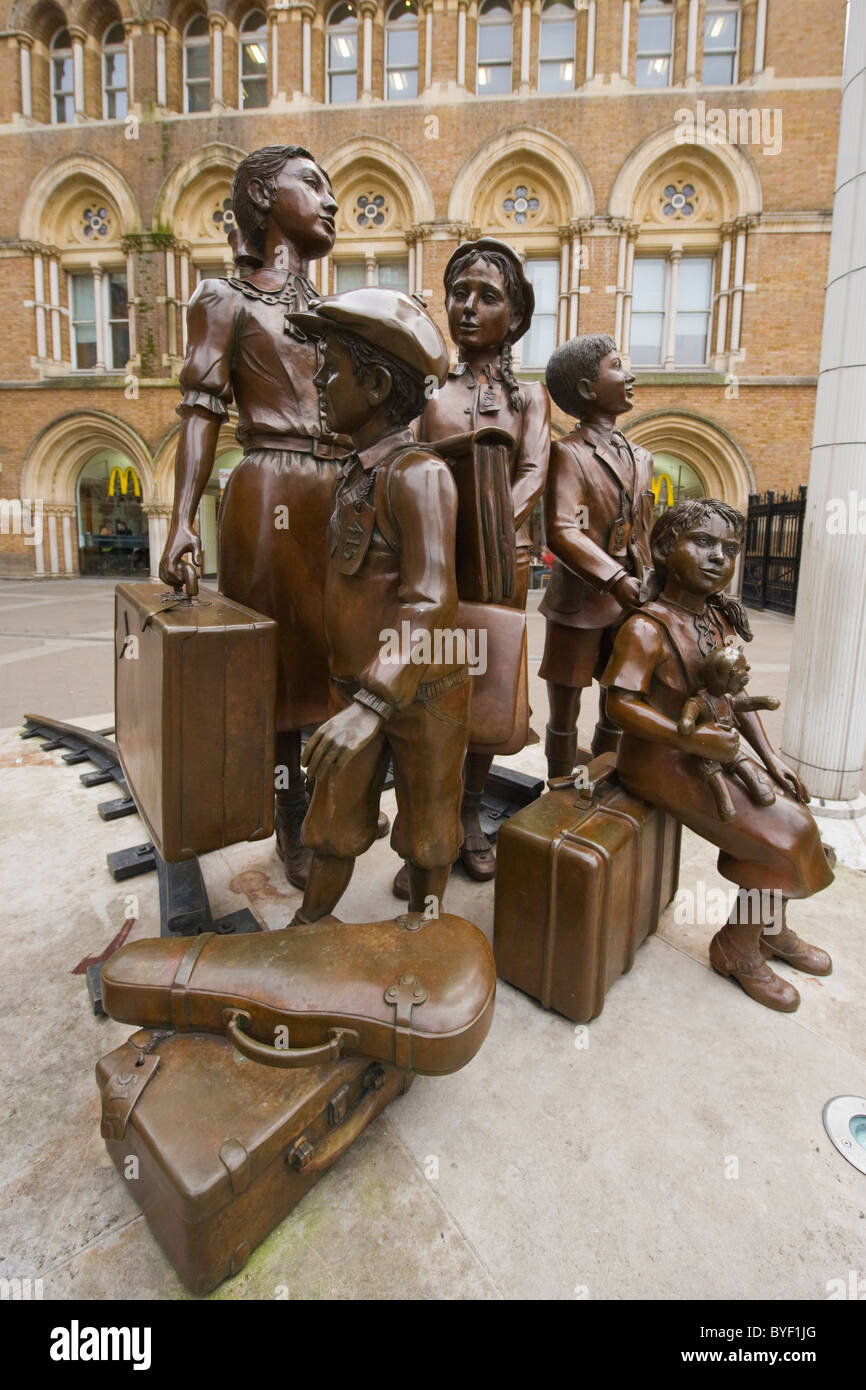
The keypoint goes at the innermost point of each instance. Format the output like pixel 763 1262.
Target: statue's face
pixel 343 400
pixel 479 310
pixel 304 208
pixel 739 677
pixel 703 559
pixel 612 390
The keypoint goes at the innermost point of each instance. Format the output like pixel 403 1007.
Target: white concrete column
pixel 562 305
pixel 428 49
pixel 184 297
pixel 273 53
pixel 525 42
pixel 325 275
pixel 461 43
pixel 724 295
pixel 39 551
pixel 369 268
pixel 307 17
pixel 574 286
pixel 411 272
pixel 54 296
pixel 24 44
pixel 160 66
pixel 761 35
pixel 99 309
pixel 825 718
pixel 217 24
pixel 419 266
pixel 78 71
pixel 737 292
pixel 692 41
pixel 70 552
pixel 131 34
pixel 670 344
pixel 367 12
pixel 625 345
pixel 53 549
pixel 626 21
pixel 39 298
pixel 620 286
pixel 131 308
pixel 590 41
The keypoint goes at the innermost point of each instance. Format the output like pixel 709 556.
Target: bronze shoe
pixel 296 859
pixel 478 857
pixel 400 886
pixel 788 946
pixel 383 825
pixel 753 975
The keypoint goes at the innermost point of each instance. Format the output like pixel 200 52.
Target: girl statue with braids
pixel 658 662
pixel 275 510
pixel 489 303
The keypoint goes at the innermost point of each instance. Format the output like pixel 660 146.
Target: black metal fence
pixel 771 561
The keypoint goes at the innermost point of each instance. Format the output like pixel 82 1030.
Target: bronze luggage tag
pixel 351 527
pixel 620 534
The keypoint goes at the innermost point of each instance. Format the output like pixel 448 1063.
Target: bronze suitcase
pixel 486 542
pixel 195 690
pixel 414 992
pixel 217 1150
pixel 582 877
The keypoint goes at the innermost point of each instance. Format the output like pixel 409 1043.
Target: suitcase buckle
pixel 338 1106
pixel 300 1154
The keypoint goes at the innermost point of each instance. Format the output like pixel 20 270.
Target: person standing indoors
pixel 276 506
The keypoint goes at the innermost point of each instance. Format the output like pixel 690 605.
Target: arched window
pixel 721 43
pixel 196 65
pixel 655 43
pixel 495 39
pixel 556 46
pixel 254 62
pixel 343 53
pixel 401 51
pixel 62 81
pixel 115 89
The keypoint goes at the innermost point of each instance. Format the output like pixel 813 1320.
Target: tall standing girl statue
pixel 658 662
pixel 275 511
pixel 489 303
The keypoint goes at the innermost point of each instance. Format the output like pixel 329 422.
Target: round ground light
pixel 845 1122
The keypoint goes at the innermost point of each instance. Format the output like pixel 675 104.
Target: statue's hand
pixel 627 592
pixel 787 778
pixel 339 739
pixel 712 741
pixel 181 541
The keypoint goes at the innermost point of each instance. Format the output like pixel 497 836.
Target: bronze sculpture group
pixel 341 402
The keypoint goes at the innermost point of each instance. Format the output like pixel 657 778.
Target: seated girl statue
pixel 657 664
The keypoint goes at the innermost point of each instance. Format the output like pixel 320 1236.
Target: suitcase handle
pixel 596 773
pixel 342 1137
pixel 284 1056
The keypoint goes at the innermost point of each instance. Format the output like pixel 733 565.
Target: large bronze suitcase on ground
pixel 217 1150
pixel 582 876
pixel 195 689
pixel 414 992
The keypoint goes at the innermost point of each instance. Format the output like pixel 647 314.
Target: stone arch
pixel 62 449
pixel 375 156
pixel 546 155
pixel 45 206
pixel 730 169
pixel 40 20
pixel 714 454
pixel 177 208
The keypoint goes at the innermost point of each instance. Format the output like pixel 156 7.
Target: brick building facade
pixel 666 168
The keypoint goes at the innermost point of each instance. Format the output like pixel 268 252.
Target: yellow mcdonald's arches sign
pixel 657 487
pixel 126 478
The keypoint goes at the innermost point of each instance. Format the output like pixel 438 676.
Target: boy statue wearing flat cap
pixel 399 680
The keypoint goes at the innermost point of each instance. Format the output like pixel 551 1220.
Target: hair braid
pixel 511 382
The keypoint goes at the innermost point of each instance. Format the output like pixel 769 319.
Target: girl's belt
pixel 295 444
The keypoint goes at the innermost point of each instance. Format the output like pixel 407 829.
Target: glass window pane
pixel 62 74
pixel 115 69
pixel 255 92
pixel 654 33
pixel 556 77
pixel 254 60
pixel 691 339
pixel 718 70
pixel 720 31
pixel 83 301
pixel 85 346
pixel 119 345
pixel 652 72
pixel 540 340
pixel 557 39
pixel 646 339
pixel 63 111
pixel 351 275
pixel 394 275
pixel 648 284
pixel 494 41
pixel 117 307
pixel 197 27
pixel 342 52
pixel 198 61
pixel 198 96
pixel 493 81
pixel 695 282
pixel 344 88
pixel 403 48
pixel 544 278
pixel 403 85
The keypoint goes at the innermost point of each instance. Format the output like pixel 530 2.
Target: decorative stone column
pixel 761 36
pixel 723 295
pixel 217 25
pixel 525 47
pixel 59 539
pixel 427 7
pixel 741 226
pixel 669 349
pixel 692 43
pixel 308 14
pixel 78 37
pixel 590 41
pixel 132 32
pixel 631 238
pixel 25 43
pixel 160 29
pixel 368 10
pixel 825 716
pixel 158 516
pixel 462 6
pixel 626 27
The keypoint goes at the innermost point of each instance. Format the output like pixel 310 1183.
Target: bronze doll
pixel 276 506
pixel 657 663
pixel 397 691
pixel 489 302
pixel 598 511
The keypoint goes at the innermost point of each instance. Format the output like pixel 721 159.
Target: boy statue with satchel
pixel 598 513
